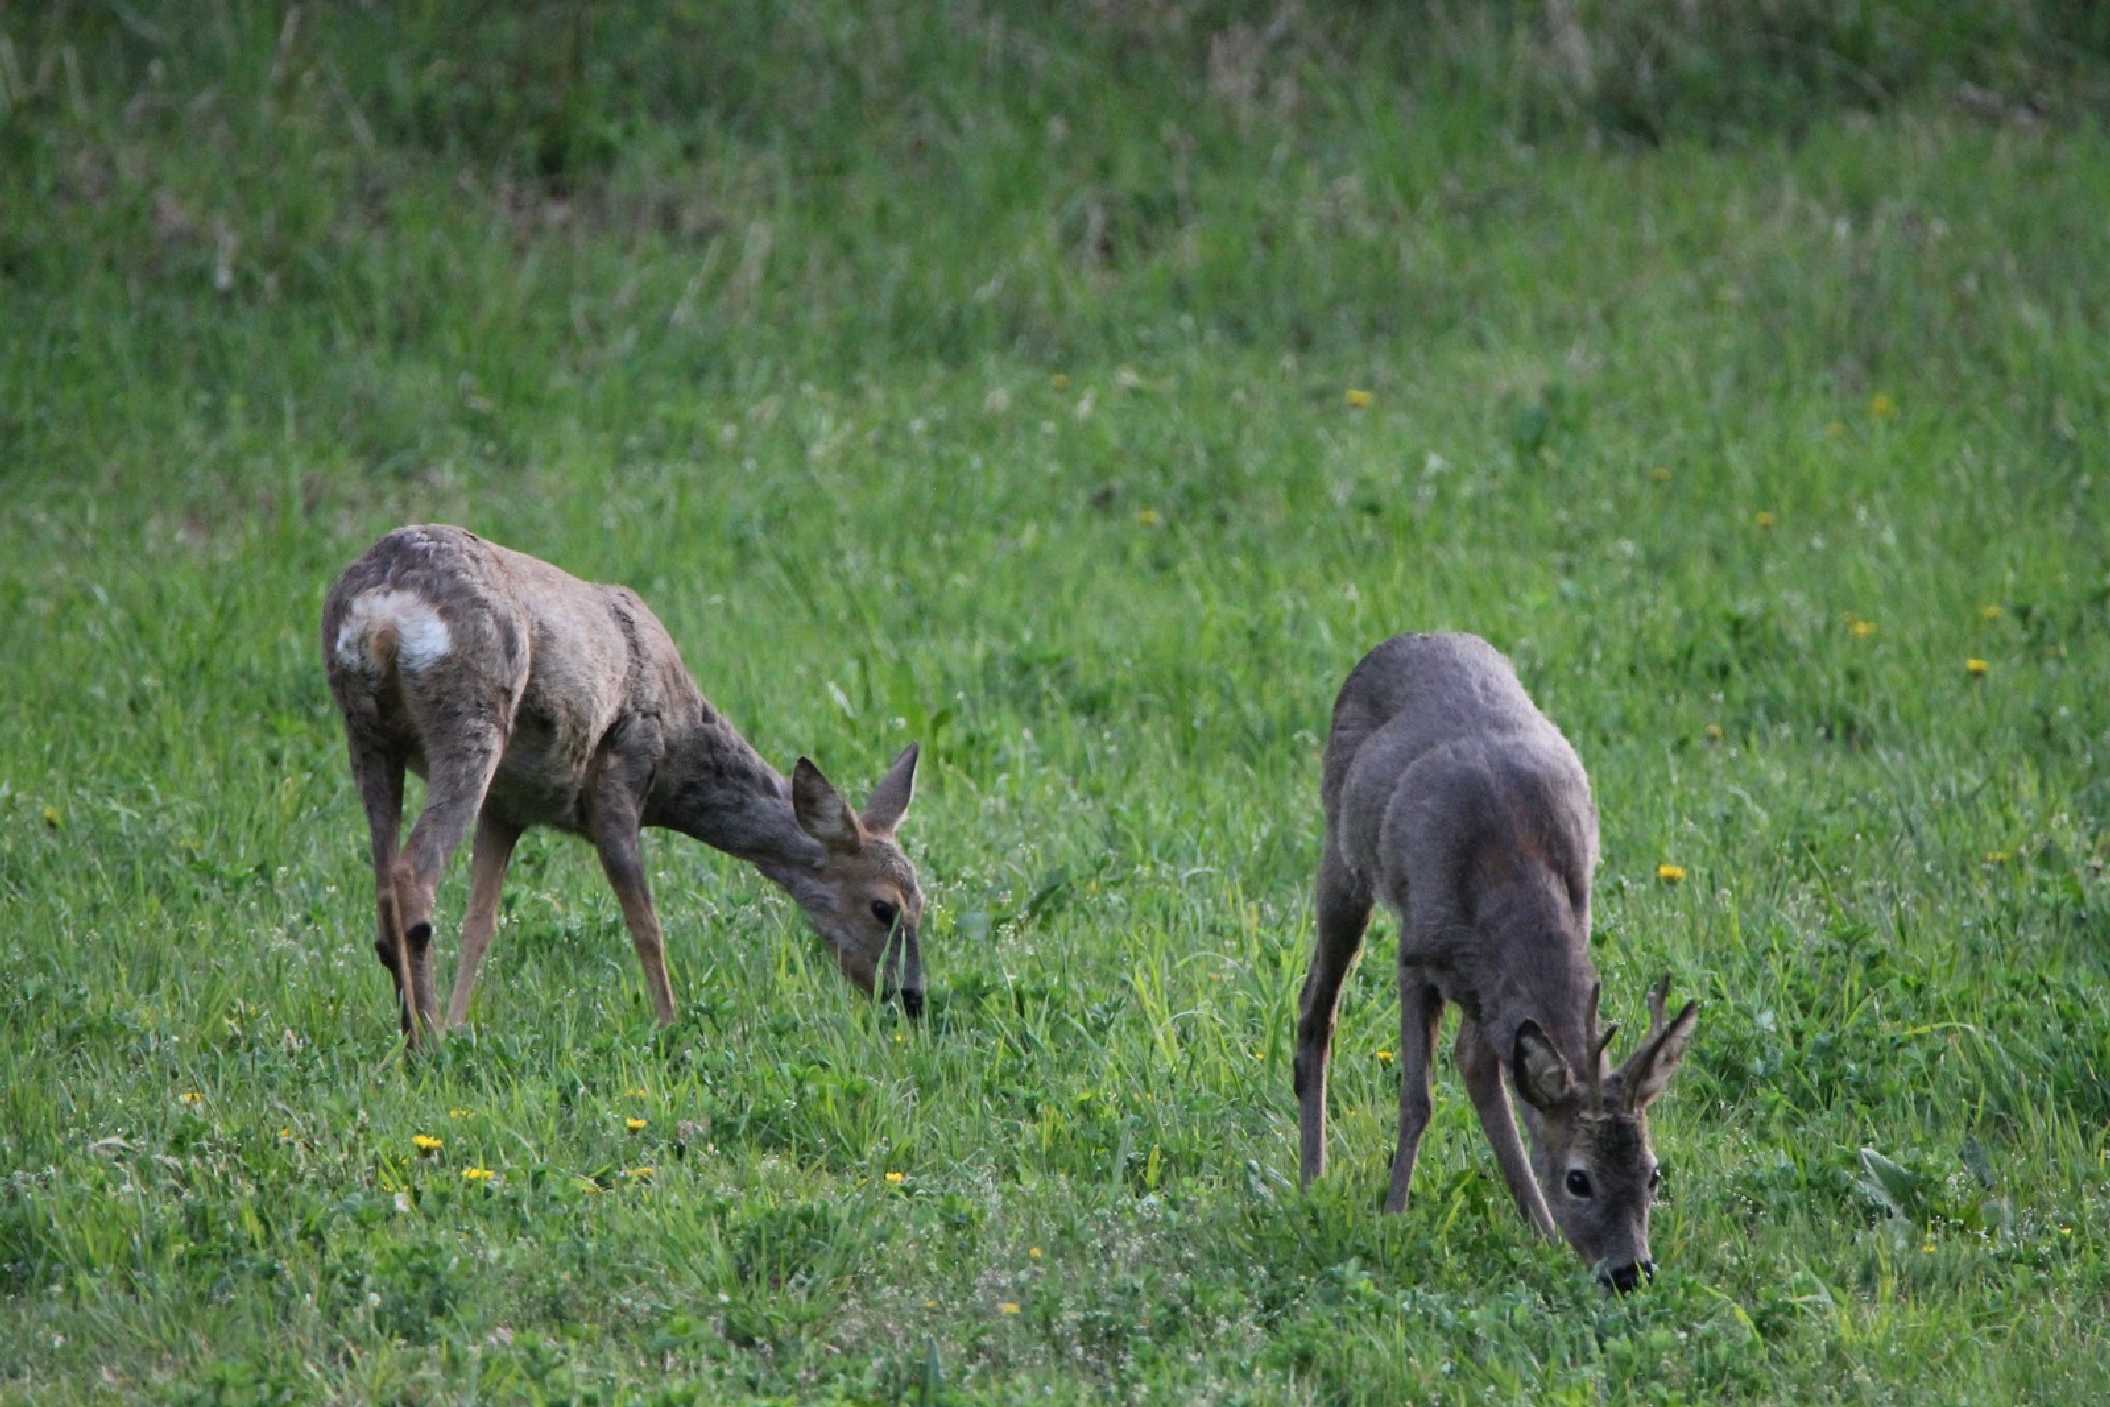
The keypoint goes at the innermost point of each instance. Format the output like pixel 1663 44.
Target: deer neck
pixel 1535 966
pixel 713 786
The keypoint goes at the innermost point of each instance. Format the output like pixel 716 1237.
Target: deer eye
pixel 1655 1178
pixel 1578 1183
pixel 886 913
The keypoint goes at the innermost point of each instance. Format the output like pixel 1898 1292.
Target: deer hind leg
pixel 1482 1069
pixel 380 792
pixel 488 860
pixel 380 780
pixel 454 794
pixel 1420 1010
pixel 1343 915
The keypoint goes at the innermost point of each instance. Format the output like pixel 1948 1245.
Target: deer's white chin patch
pixel 421 636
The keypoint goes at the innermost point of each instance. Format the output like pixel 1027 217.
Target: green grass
pixel 965 374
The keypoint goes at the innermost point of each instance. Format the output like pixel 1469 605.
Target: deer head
pixel 1589 1137
pixel 862 895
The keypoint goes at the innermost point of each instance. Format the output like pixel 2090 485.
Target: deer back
pixel 1460 804
pixel 435 631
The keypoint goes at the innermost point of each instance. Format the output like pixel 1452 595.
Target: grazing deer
pixel 1452 798
pixel 526 697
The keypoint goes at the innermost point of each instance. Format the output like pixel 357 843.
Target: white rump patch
pixel 421 636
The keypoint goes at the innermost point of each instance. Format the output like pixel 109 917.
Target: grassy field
pixel 1080 394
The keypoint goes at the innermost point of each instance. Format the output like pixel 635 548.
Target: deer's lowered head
pixel 861 892
pixel 1589 1136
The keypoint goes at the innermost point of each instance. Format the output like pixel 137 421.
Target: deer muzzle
pixel 903 969
pixel 1624 1279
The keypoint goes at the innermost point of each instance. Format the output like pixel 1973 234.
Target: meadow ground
pixel 1080 396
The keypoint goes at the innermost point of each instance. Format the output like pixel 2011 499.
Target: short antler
pixel 1658 999
pixel 1650 1065
pixel 1598 1040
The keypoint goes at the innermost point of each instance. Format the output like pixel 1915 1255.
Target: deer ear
pixel 821 811
pixel 1648 1070
pixel 1541 1072
pixel 894 792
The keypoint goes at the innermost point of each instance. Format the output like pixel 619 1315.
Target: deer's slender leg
pixel 380 781
pixel 612 821
pixel 1482 1070
pixel 487 872
pixel 622 860
pixel 1420 1009
pixel 1343 914
pixel 454 795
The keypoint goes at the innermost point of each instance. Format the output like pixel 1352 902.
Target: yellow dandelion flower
pixel 1660 474
pixel 1860 629
pixel 643 1174
pixel 191 1096
pixel 1032 1253
pixel 1975 666
pixel 285 1133
pixel 930 1304
pixel 639 1092
pixel 635 1125
pixel 477 1174
pixel 426 1143
pixel 1926 1248
pixel 1148 517
pixel 1384 1057
pixel 1358 399
pixel 1990 611
pixel 1998 857
pixel 1714 732
pixel 1764 519
pixel 52 817
pixel 1007 1307
pixel 1670 874
pixel 1881 406
pixel 457 1113
pixel 897 1178
pixel 1060 381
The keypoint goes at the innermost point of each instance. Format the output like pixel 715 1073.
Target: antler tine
pixel 1596 1041
pixel 1658 997
pixel 1604 1040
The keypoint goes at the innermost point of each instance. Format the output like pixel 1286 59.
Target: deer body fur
pixel 527 697
pixel 1452 799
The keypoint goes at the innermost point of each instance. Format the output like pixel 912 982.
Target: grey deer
pixel 1449 796
pixel 527 697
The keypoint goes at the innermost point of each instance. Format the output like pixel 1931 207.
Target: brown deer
pixel 527 697
pixel 1452 798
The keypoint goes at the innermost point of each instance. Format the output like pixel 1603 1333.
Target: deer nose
pixel 1624 1278
pixel 906 970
